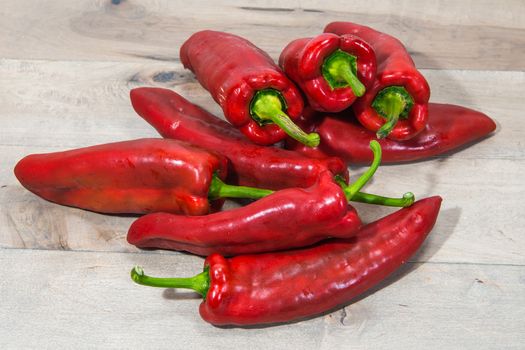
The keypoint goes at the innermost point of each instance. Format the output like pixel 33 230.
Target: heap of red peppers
pixel 351 95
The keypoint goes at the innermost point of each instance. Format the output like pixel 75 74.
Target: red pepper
pixel 291 285
pixel 397 104
pixel 251 165
pixel 288 218
pixel 139 176
pixel 449 127
pixel 253 92
pixel 331 70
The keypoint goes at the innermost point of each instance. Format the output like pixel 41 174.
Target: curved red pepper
pixel 288 218
pixel 306 61
pixel 291 285
pixel 138 176
pixel 395 69
pixel 449 127
pixel 238 75
pixel 251 165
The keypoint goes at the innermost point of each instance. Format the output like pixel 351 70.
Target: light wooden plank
pixel 85 103
pixel 444 34
pixel 87 300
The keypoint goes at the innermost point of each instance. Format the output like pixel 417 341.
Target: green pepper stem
pixel 357 87
pixel 340 70
pixel 219 189
pixel 351 190
pixel 199 283
pixel 406 201
pixel 392 103
pixel 267 107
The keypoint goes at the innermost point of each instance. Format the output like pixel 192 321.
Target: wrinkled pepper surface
pixel 331 70
pixel 250 165
pixel 138 176
pixel 396 106
pixel 292 285
pixel 254 94
pixel 288 218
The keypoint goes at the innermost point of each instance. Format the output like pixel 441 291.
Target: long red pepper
pixel 331 70
pixel 449 128
pixel 251 165
pixel 286 219
pixel 291 285
pixel 253 92
pixel 396 106
pixel 139 176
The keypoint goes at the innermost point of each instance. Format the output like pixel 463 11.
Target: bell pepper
pixel 396 106
pixel 253 92
pixel 292 285
pixel 449 128
pixel 138 176
pixel 331 70
pixel 250 165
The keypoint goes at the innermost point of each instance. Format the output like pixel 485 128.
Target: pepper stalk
pixel 352 192
pixel 199 283
pixel 340 70
pixel 268 106
pixel 392 103
pixel 219 189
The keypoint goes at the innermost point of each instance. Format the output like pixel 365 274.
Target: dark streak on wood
pixel 479 281
pixel 343 316
pixel 313 10
pixel 62 241
pixel 157 58
pixel 403 305
pixel 164 77
pixel 135 78
pixel 116 2
pixel 267 9
pixel 4 186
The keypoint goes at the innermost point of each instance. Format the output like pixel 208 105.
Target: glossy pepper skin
pixel 138 176
pixel 306 61
pixel 234 70
pixel 250 165
pixel 292 285
pixel 449 127
pixel 395 69
pixel 286 219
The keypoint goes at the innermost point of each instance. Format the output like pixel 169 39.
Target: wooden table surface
pixel 66 68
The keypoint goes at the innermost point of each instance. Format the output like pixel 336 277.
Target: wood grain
pixel 88 300
pixel 445 34
pixel 66 69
